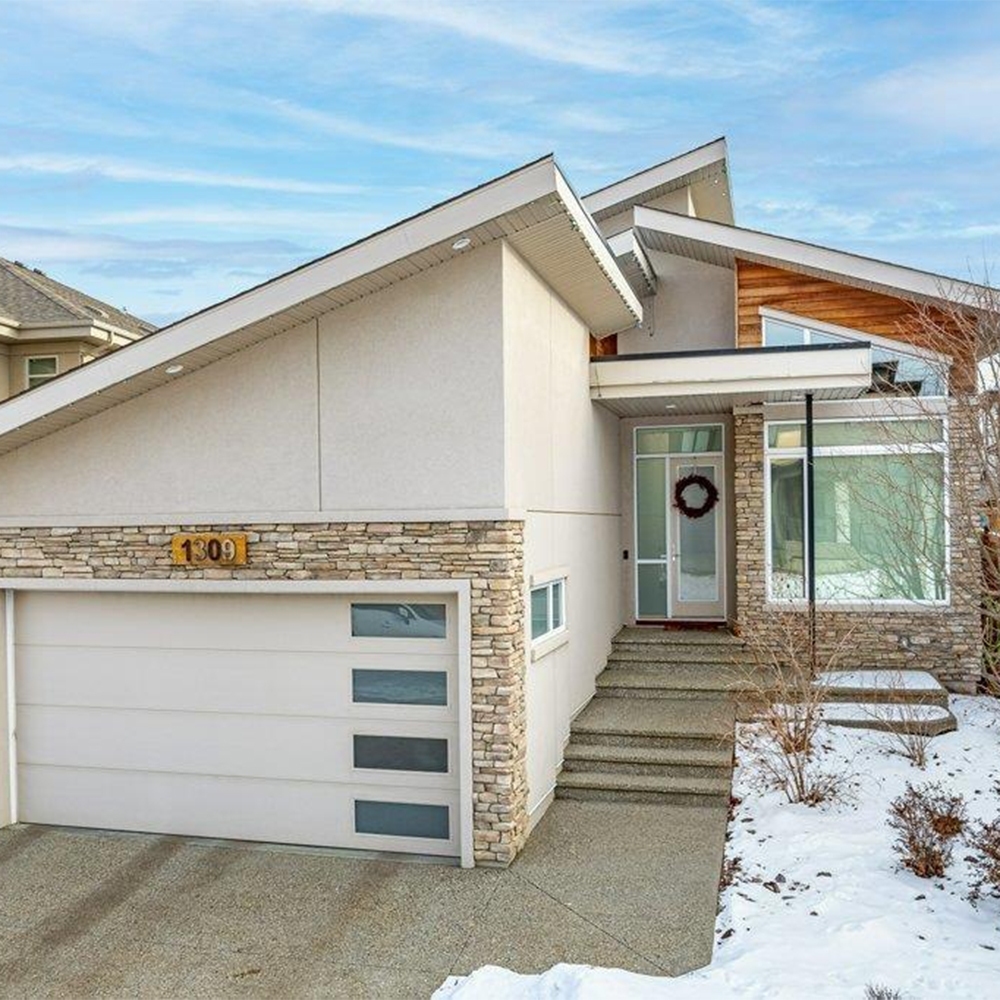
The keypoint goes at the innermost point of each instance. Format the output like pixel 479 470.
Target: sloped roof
pixel 533 208
pixel 32 297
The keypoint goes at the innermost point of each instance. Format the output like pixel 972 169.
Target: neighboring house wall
pixel 693 309
pixel 562 462
pixel 944 640
pixel 815 298
pixel 69 354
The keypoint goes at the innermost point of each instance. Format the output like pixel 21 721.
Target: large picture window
pixel 880 492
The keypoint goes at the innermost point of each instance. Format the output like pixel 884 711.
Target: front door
pixel 680 538
pixel 697 527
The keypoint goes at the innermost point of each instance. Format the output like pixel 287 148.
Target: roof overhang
pixel 636 385
pixel 706 163
pixel 720 244
pixel 533 208
pixel 634 262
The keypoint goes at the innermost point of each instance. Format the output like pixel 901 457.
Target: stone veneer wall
pixel 946 640
pixel 488 553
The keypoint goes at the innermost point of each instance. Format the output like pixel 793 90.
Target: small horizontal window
pixel 850 433
pixel 41 370
pixel 548 609
pixel 678 440
pixel 401 819
pixel 399 687
pixel 401 753
pixel 398 621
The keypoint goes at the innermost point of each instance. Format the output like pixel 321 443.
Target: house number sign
pixel 209 549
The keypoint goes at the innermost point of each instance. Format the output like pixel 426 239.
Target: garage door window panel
pixel 398 621
pixel 401 819
pixel 401 753
pixel 399 687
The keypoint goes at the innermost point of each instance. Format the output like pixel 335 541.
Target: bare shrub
pixel 731 869
pixel 921 848
pixel 902 717
pixel 783 688
pixel 948 814
pixel 875 991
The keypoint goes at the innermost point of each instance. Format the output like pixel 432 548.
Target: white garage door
pixel 296 718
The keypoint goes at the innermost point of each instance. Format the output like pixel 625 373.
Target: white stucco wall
pixel 694 308
pixel 390 406
pixel 562 470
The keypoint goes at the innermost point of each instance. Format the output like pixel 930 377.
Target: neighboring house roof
pixel 720 244
pixel 704 163
pixel 533 208
pixel 31 298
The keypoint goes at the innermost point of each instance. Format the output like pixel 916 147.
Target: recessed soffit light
pixel 462 243
pixel 174 369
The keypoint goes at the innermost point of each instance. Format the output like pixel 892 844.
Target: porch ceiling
pixel 639 385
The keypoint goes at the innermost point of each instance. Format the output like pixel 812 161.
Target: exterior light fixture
pixel 462 243
pixel 174 369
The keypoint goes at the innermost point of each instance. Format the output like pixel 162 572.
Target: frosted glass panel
pixel 398 621
pixel 652 590
pixel 401 753
pixel 651 508
pixel 400 687
pixel 698 578
pixel 787 528
pixel 401 819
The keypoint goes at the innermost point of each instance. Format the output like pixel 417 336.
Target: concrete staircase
pixel 660 727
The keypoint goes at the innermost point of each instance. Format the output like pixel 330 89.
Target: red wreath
pixel 711 496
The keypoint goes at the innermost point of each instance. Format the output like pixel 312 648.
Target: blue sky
pixel 163 155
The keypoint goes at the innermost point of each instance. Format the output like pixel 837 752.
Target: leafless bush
pixel 875 991
pixel 782 686
pixel 948 814
pixel 902 718
pixel 920 846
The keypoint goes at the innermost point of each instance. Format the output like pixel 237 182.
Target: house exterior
pixel 337 560
pixel 47 328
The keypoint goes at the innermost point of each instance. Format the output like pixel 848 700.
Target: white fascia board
pixel 597 244
pixel 433 226
pixel 626 242
pixel 892 277
pixel 736 372
pixel 663 173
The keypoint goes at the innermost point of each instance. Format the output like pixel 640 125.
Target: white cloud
pixel 130 171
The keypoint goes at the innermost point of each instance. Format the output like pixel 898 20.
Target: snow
pixel 844 915
pixel 885 680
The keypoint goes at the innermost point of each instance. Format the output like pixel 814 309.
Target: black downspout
pixel 810 533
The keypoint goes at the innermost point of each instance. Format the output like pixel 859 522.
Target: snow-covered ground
pixel 820 908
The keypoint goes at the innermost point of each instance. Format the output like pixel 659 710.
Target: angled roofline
pixel 628 190
pixel 753 244
pixel 441 223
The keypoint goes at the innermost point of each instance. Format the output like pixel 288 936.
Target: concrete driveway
pixel 87 914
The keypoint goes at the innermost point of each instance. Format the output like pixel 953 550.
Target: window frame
pixel 40 379
pixel 941 447
pixel 848 334
pixel 548 584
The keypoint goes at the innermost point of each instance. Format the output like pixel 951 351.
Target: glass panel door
pixel 697 527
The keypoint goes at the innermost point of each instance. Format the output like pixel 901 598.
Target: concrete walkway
pixel 87 914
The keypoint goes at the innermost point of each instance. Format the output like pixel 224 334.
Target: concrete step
pixel 652 635
pixel 711 762
pixel 925 720
pixel 680 724
pixel 691 681
pixel 723 655
pixel 619 787
pixel 884 687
